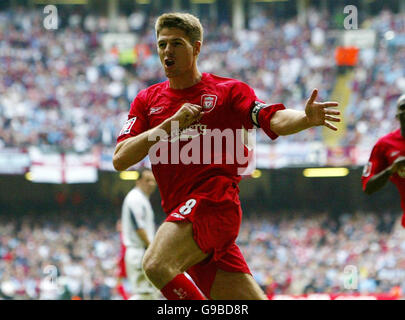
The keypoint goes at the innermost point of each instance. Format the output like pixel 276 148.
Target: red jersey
pixel 386 150
pixel 226 103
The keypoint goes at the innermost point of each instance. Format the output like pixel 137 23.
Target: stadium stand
pixel 63 91
pixel 60 86
pixel 289 254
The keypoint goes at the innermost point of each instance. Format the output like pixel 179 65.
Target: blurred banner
pixel 62 168
pixel 337 296
pixel 361 39
pixel 346 56
pixel 295 155
pixel 52 167
pixel 14 161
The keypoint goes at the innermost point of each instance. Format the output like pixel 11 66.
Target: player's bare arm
pixel 134 149
pixel 288 121
pixel 380 179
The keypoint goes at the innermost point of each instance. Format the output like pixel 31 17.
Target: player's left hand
pixel 318 113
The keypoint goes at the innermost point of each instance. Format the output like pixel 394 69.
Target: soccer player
pixel 200 199
pixel 387 160
pixel 138 229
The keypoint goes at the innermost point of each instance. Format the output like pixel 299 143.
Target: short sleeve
pixel 376 163
pixel 136 122
pixel 242 99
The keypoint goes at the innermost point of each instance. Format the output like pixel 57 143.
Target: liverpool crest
pixel 208 102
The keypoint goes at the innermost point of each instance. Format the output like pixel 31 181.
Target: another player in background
pixel 121 272
pixel 138 230
pixel 201 199
pixel 387 160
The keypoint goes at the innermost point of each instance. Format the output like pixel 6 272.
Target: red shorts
pixel 215 228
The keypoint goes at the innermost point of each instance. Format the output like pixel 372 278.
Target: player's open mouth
pixel 169 62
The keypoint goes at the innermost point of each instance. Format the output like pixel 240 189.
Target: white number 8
pixel 186 209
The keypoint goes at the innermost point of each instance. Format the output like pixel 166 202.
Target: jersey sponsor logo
pixel 367 169
pixel 394 153
pixel 127 126
pixel 208 102
pixel 188 133
pixel 155 110
pixel 193 131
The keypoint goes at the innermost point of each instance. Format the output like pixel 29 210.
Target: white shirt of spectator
pixel 137 214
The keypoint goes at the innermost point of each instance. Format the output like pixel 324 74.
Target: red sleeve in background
pixel 376 164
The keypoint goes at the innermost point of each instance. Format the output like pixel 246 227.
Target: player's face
pixel 176 52
pixel 147 183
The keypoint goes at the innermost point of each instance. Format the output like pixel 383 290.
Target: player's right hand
pixel 187 115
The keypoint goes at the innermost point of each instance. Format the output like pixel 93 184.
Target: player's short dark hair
pixel 190 24
pixel 401 105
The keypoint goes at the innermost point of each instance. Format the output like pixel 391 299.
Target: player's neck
pixel 185 80
pixel 144 191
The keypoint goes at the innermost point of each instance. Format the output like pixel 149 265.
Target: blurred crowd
pixel 61 88
pixel 291 253
pixel 379 79
pixel 66 257
pixel 53 257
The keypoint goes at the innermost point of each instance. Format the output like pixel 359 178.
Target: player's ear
pixel 197 48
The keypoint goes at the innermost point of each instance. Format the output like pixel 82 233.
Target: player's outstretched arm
pixel 134 149
pixel 380 179
pixel 288 121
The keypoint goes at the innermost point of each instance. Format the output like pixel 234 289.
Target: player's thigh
pixel 236 286
pixel 174 245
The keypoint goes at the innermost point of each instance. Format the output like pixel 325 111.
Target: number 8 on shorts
pixel 188 206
